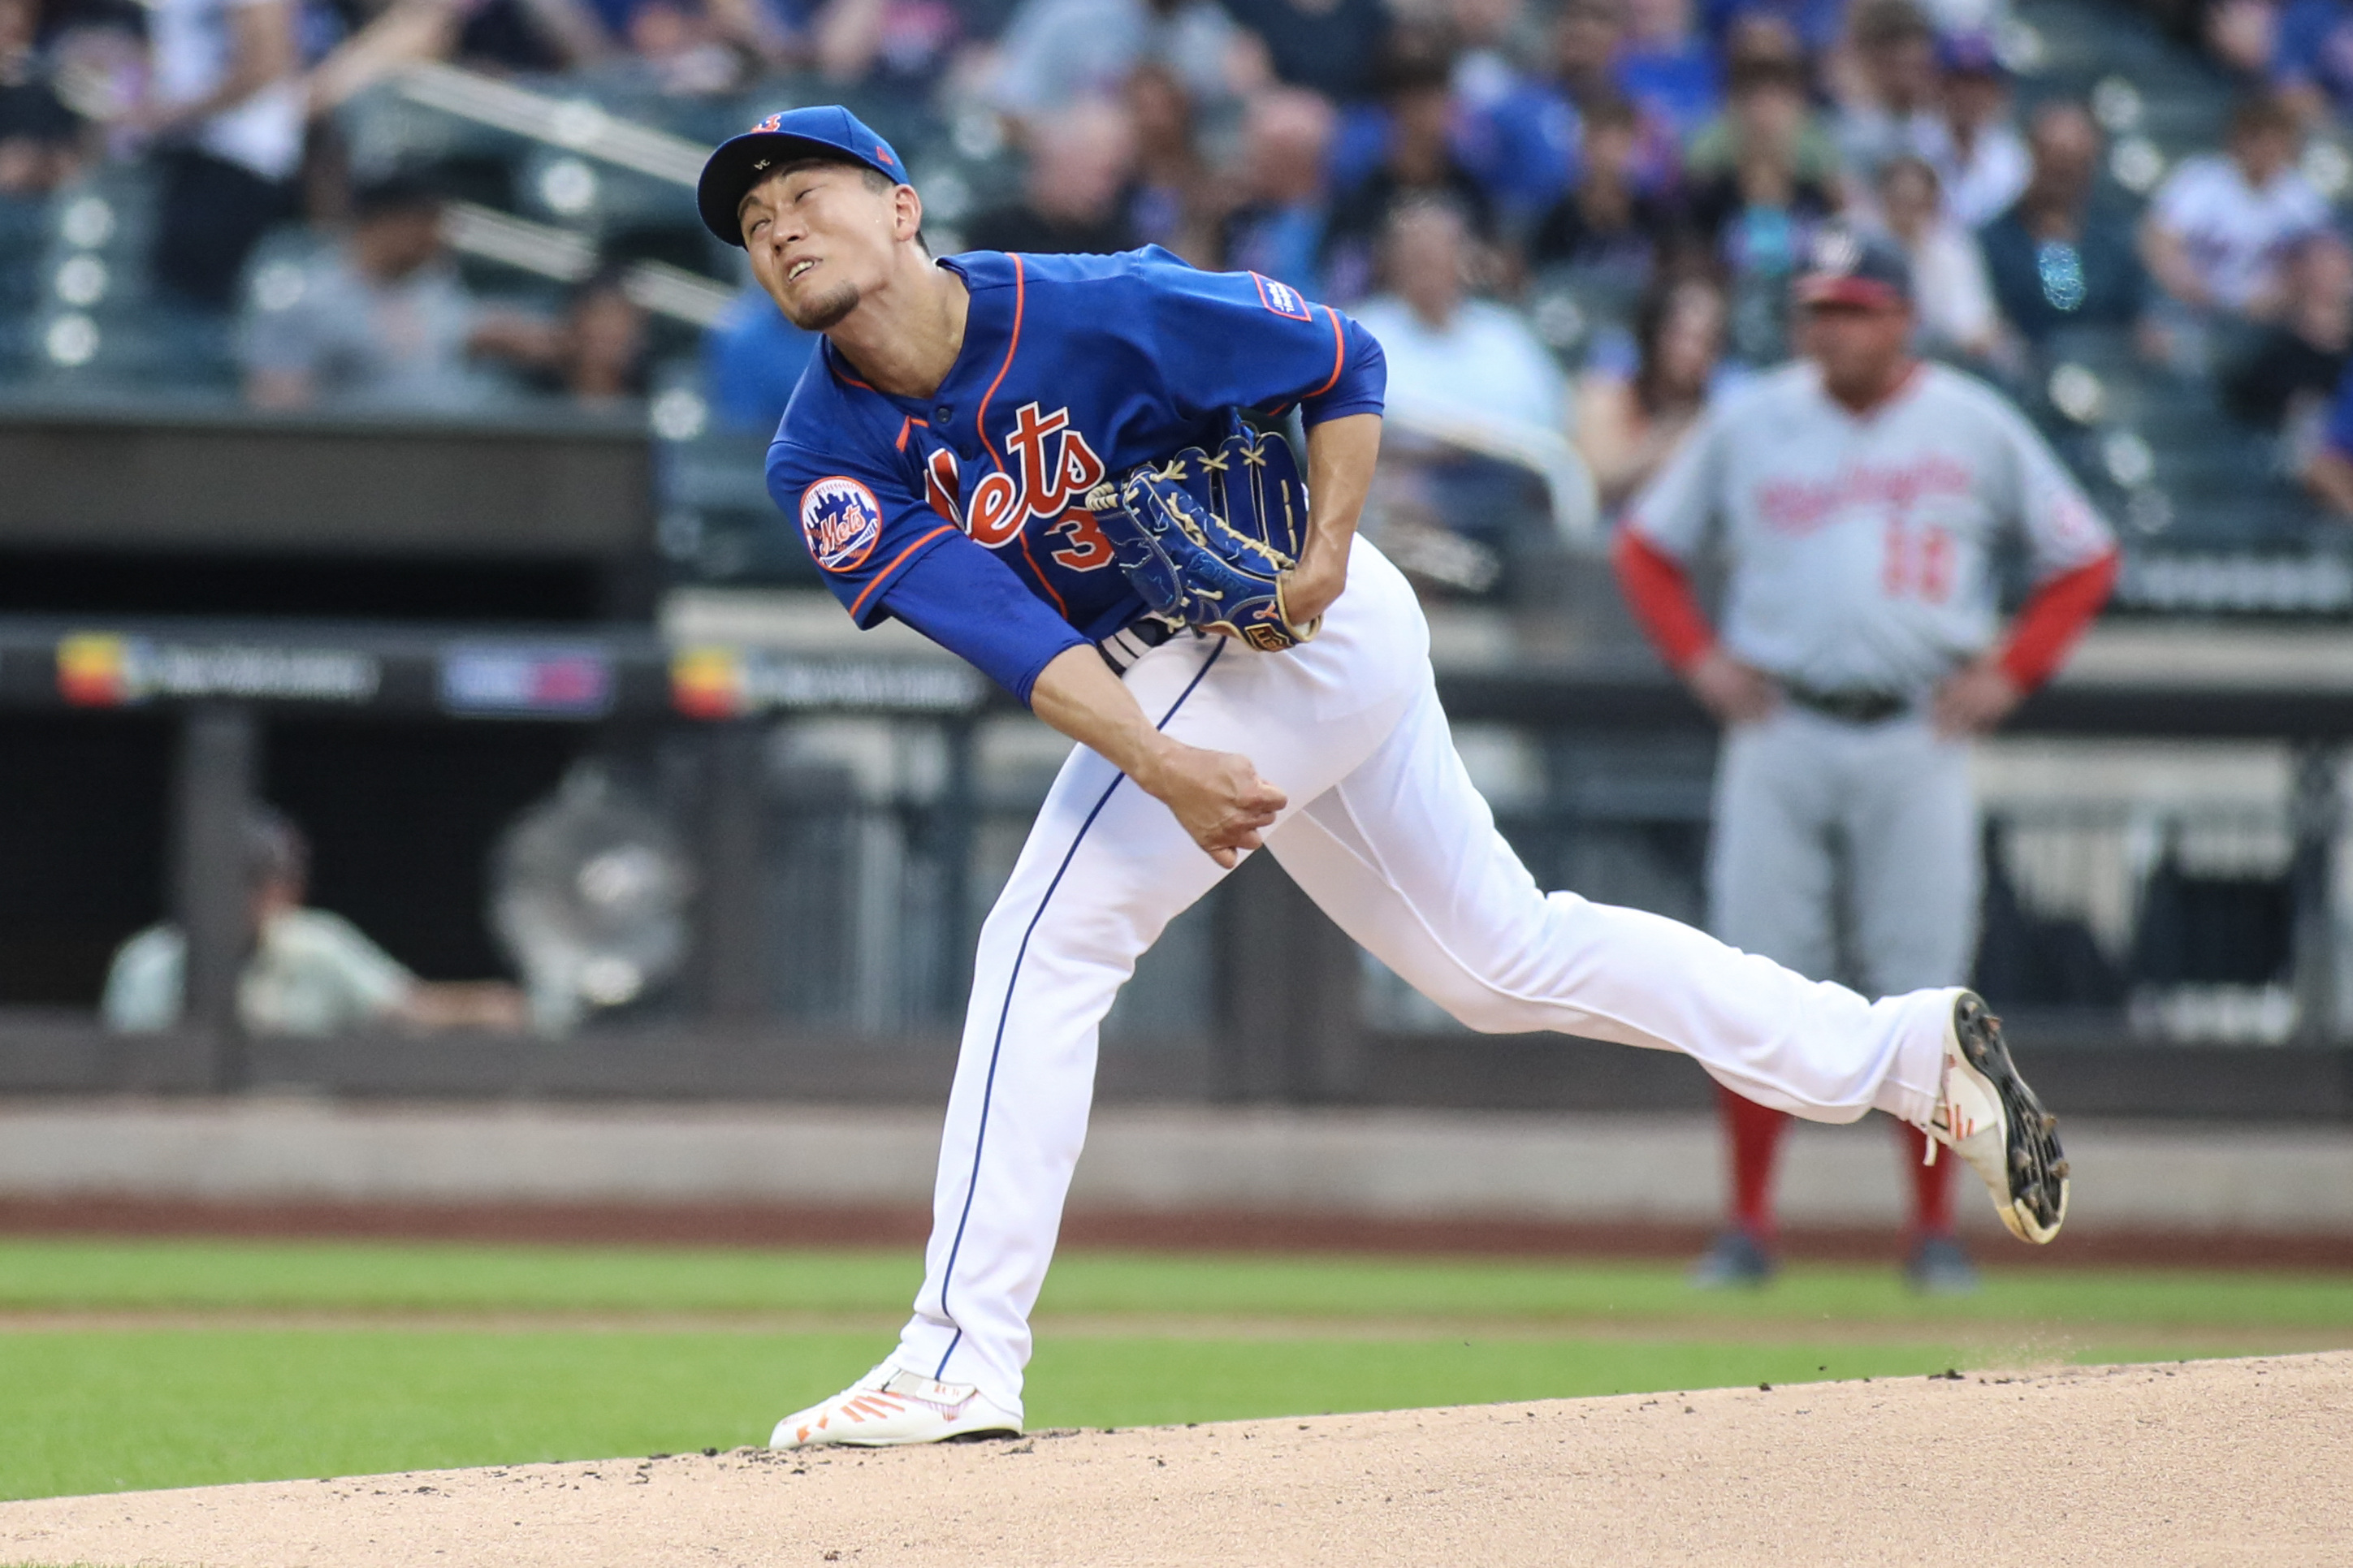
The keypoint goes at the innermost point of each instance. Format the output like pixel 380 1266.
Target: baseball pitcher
pixel 1040 463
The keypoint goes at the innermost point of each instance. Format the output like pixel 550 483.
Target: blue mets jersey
pixel 963 513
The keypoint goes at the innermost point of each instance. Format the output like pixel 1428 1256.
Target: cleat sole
pixel 2039 1181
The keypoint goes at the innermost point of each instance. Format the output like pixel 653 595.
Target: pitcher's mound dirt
pixel 2236 1462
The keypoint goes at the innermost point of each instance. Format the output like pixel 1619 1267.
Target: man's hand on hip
pixel 1974 699
pixel 1733 691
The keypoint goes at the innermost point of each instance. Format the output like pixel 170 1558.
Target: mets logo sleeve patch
pixel 841 521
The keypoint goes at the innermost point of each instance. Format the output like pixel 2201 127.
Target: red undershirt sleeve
pixel 2052 617
pixel 1658 591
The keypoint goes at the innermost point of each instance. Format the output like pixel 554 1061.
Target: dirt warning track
pixel 2229 1461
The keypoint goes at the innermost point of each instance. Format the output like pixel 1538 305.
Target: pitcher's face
pixel 821 235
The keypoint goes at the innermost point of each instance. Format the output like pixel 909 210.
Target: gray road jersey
pixel 1862 547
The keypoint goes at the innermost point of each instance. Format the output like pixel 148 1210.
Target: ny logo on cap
pixel 772 122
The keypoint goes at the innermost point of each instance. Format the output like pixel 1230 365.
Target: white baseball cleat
pixel 1986 1114
pixel 889 1406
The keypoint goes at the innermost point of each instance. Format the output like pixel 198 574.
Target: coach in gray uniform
pixel 1859 495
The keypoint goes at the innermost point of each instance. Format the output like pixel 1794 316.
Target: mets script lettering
pixel 1053 469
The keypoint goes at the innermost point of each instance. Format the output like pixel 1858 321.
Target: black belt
pixel 1853 705
pixel 1133 641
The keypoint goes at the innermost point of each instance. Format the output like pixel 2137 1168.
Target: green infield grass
pixel 128 1364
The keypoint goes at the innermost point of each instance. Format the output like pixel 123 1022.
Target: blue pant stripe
pixel 996 1048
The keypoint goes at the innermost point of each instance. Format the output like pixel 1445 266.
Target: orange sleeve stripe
pixel 1339 353
pixel 980 420
pixel 859 605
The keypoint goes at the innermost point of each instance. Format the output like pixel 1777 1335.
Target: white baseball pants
pixel 1385 833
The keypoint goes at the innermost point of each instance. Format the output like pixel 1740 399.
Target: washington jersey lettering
pixel 1863 546
pixel 1074 368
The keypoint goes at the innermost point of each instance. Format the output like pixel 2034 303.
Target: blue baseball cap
pixel 741 161
pixel 1865 271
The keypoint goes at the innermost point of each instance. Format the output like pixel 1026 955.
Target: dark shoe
pixel 1940 1265
pixel 1737 1262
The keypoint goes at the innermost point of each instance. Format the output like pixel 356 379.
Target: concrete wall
pixel 1589 1169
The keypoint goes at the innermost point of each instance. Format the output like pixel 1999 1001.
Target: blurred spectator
pixel 1517 134
pixel 2311 63
pixel 1813 26
pixel 1485 44
pixel 2242 36
pixel 1449 518
pixel 1468 358
pixel 1490 37
pixel 40 140
pixel 1583 73
pixel 1278 230
pixel 382 320
pixel 1667 66
pixel 1986 165
pixel 1170 198
pixel 497 35
pixel 2329 471
pixel 2297 363
pixel 903 46
pixel 1956 312
pixel 1629 425
pixel 1761 214
pixel 1584 40
pixel 2219 227
pixel 1417 162
pixel 1890 102
pixel 1331 46
pixel 751 362
pixel 308 972
pixel 1057 52
pixel 600 348
pixel 1071 195
pixel 1607 230
pixel 684 48
pixel 1760 44
pixel 225 105
pixel 2053 262
pixel 537 35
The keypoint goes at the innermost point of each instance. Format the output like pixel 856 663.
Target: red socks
pixel 1932 1186
pixel 1756 1133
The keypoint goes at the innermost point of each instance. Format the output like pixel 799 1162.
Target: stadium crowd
pixel 1579 217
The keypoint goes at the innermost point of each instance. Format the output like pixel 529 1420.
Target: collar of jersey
pixel 988 322
pixel 1896 396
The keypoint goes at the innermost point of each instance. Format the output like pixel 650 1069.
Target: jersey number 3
pixel 1088 550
